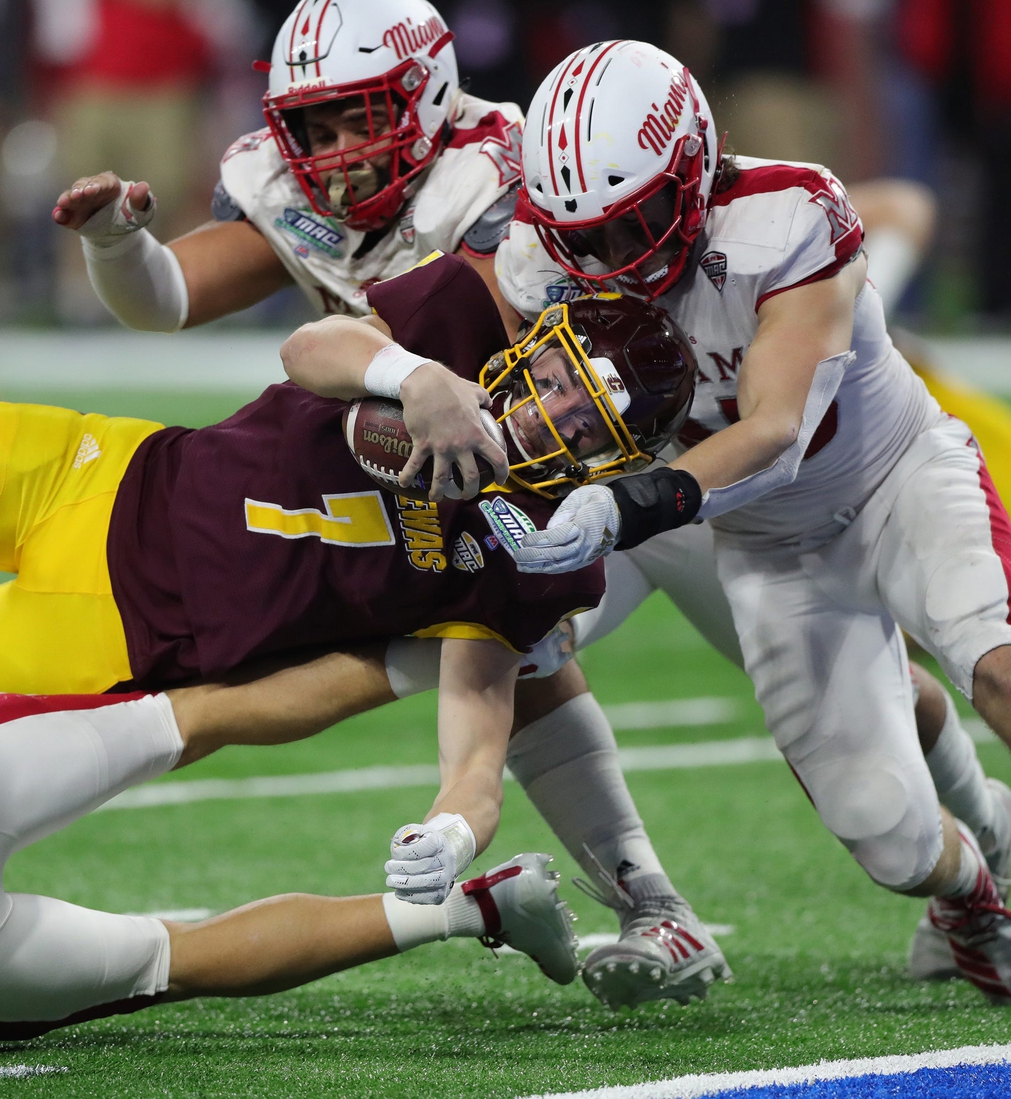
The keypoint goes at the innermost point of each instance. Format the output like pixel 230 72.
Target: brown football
pixel 378 438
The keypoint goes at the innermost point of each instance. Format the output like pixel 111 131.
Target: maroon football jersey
pixel 262 535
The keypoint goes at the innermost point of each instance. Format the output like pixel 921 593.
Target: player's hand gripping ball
pixel 378 438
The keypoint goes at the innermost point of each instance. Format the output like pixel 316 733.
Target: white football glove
pixel 427 858
pixel 118 219
pixel 585 527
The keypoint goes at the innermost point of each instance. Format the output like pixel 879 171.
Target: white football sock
pixel 416 924
pixel 567 761
pixel 959 780
pixel 968 870
pixel 892 260
pixel 57 959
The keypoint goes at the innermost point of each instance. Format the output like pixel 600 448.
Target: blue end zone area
pixel 958 1082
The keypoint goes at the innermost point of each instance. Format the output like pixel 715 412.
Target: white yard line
pixel 674 711
pixel 714 753
pixel 20 1071
pixel 629 715
pixel 696 1087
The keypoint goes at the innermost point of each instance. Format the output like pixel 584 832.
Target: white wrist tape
pixel 118 218
pixel 388 369
pixel 828 376
pixel 139 281
pixel 458 836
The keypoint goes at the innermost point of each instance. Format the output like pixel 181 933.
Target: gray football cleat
pixel 520 905
pixel 930 956
pixel 665 953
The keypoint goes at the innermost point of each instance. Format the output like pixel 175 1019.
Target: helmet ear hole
pixel 615 181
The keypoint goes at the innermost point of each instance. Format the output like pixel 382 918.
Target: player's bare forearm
pixel 797 330
pixel 476 686
pixel 228 266
pixel 330 357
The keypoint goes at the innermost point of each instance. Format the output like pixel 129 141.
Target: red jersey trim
pixel 825 273
pixel 769 178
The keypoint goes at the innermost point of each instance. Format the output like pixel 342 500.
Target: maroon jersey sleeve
pixel 444 311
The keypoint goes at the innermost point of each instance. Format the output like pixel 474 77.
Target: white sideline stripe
pixel 21 1071
pixel 696 1087
pixel 714 753
pixel 673 711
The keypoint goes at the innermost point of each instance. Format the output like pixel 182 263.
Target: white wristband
pixel 458 836
pixel 388 369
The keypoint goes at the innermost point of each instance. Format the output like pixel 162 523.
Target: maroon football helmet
pixel 597 386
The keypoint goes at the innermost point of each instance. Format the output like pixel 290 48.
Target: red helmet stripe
pixel 551 118
pixel 444 40
pixel 579 111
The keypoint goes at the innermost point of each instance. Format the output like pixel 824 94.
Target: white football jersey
pixel 779 226
pixel 477 166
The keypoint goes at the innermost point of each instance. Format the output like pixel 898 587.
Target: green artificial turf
pixel 817 950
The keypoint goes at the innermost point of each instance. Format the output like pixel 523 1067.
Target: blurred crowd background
pixel 157 89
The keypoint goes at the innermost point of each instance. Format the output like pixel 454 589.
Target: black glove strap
pixel 652 502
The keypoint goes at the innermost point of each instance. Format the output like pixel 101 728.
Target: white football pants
pixel 930 552
pixel 57 959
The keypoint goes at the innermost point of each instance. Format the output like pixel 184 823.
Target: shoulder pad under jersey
pixel 224 207
pixel 490 229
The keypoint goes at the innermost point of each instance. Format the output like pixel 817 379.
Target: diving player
pixel 151 557
pixel 806 426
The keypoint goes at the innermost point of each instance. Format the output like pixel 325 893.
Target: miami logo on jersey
pixel 311 233
pixel 842 218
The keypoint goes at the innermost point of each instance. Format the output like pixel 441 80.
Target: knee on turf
pixel 57 959
pixel 869 804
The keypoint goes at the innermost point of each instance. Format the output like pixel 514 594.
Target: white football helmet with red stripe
pixel 393 61
pixel 619 159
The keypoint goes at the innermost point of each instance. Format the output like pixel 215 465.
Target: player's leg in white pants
pixel 56 959
pixel 833 683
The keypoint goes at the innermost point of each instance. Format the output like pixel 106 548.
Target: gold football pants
pixel 60 630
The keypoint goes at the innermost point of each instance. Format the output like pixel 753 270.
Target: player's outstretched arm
pixel 788 378
pixel 347 358
pixel 476 685
pixel 161 288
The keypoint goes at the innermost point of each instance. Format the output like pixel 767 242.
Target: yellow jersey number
pixel 347 519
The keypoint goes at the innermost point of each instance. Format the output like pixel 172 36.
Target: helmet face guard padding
pixel 597 387
pixel 349 185
pixel 657 225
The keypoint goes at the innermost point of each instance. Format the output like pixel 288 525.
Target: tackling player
pixel 150 557
pixel 844 503
pixel 371 159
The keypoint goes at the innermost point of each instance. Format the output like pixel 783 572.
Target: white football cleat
pixel 978 928
pixel 930 956
pixel 664 953
pixel 520 905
